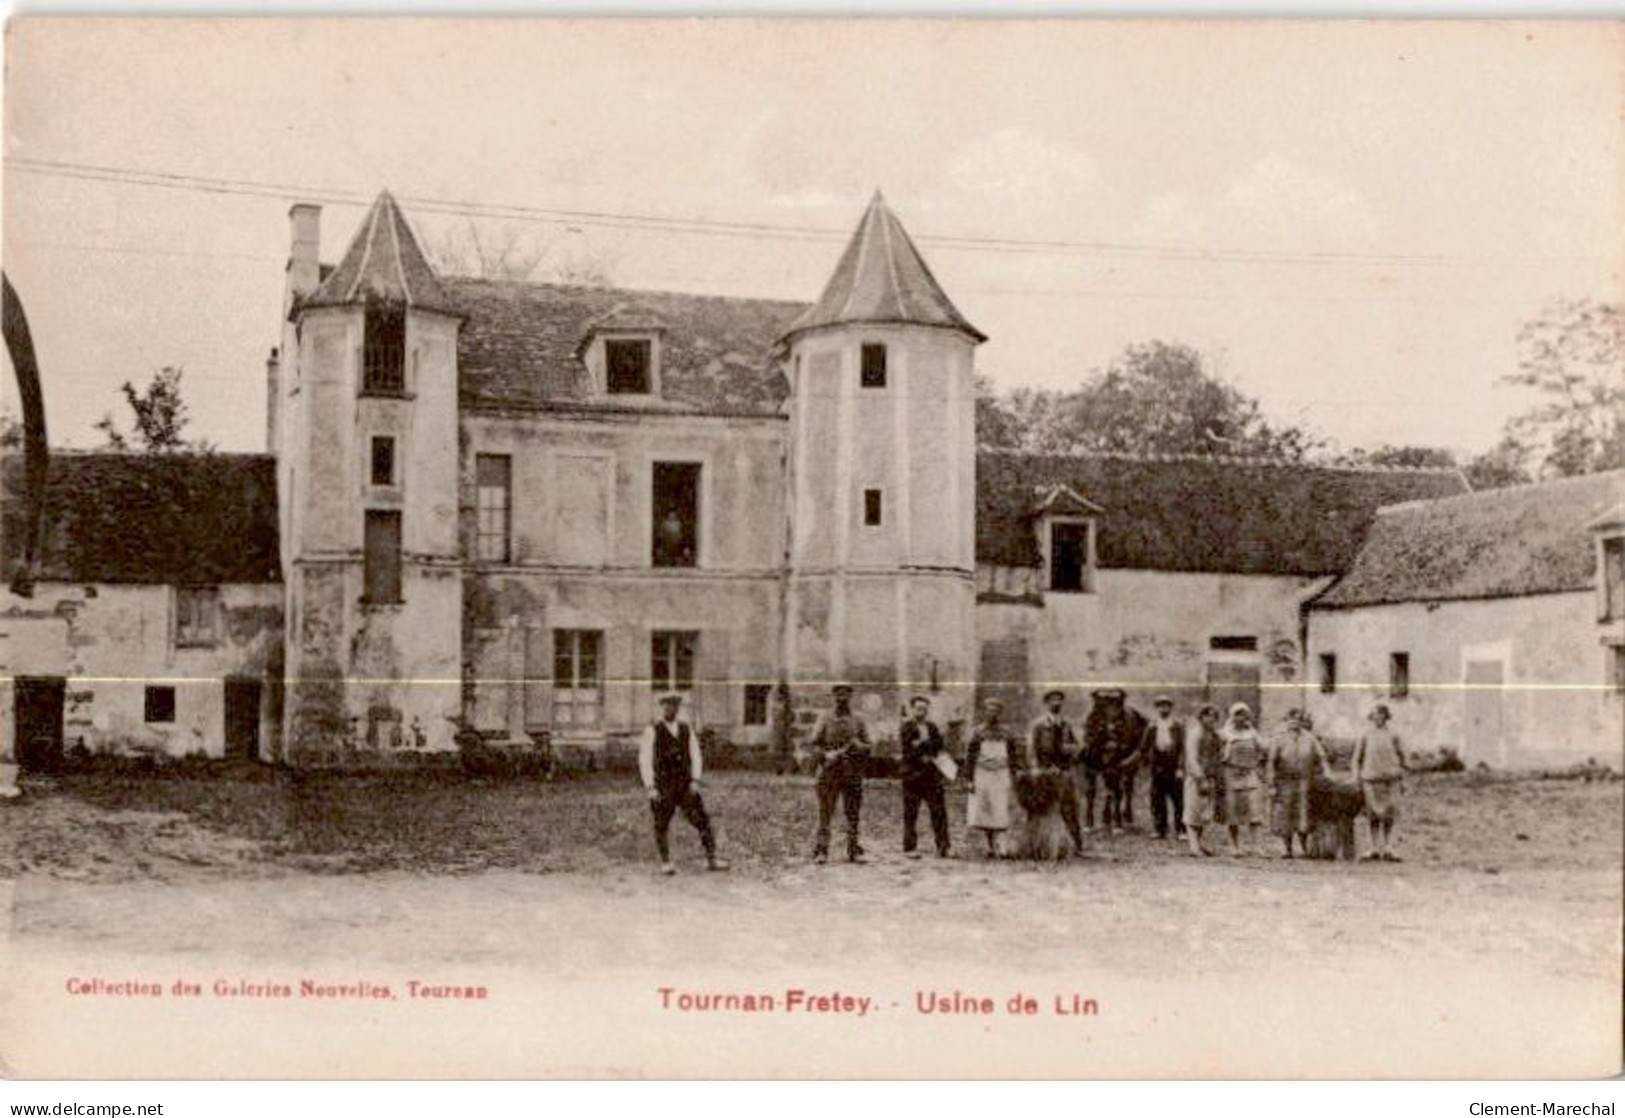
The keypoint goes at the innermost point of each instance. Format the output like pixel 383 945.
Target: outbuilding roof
pixel 1527 539
pixel 149 518
pixel 1191 513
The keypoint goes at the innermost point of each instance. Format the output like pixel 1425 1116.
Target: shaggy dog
pixel 1333 805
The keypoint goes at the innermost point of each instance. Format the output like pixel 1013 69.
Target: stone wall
pixel 1555 703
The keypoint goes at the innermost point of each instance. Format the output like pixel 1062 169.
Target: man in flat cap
pixel 1163 747
pixel 842 744
pixel 669 763
pixel 1055 751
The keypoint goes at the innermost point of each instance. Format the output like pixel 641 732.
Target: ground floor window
pixel 1399 675
pixel 578 681
pixel 1616 656
pixel 757 698
pixel 1328 672
pixel 671 660
pixel 160 704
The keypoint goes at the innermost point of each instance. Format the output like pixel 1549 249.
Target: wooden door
pixel 1483 717
pixel 38 725
pixel 243 719
pixel 1235 681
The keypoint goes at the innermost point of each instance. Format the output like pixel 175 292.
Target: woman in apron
pixel 992 753
pixel 1296 757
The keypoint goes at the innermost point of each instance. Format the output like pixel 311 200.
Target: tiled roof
pixel 150 518
pixel 1528 539
pixel 519 343
pixel 1188 513
pixel 384 263
pixel 882 278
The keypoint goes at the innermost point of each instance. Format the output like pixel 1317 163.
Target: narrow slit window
pixel 383 460
pixel 874 365
pixel 1328 673
pixel 871 508
pixel 1399 675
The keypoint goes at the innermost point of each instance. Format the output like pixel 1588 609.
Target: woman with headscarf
pixel 1242 758
pixel 1296 757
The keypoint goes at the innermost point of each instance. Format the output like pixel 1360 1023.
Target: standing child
pixel 1242 757
pixel 1204 777
pixel 1379 764
pixel 991 754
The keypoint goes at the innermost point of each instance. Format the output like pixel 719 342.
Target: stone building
pixel 155 622
pixel 1491 622
pixel 522 509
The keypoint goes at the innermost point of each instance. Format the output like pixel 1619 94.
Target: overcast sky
pixel 1352 220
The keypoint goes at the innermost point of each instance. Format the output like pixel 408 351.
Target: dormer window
pixel 628 366
pixel 1066 539
pixel 383 351
pixel 1071 565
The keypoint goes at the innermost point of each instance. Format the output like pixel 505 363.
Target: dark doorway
pixel 39 722
pixel 243 719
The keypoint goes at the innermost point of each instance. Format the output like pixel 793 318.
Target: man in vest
pixel 1055 751
pixel 922 749
pixel 1164 747
pixel 842 744
pixel 669 762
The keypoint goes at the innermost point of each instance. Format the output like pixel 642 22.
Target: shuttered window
pixel 382 556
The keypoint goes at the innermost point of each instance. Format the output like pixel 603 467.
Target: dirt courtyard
pixel 1496 871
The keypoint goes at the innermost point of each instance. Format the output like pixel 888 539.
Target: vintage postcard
pixel 812 548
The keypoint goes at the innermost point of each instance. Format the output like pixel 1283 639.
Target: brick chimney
pixel 304 251
pixel 273 401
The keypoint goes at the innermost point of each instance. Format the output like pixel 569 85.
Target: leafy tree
pixel 1573 355
pixel 1505 463
pixel 1156 398
pixel 160 415
pixel 1401 457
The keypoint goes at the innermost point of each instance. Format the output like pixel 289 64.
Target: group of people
pixel 1203 774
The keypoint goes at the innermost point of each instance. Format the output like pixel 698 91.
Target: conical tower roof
pixel 384 263
pixel 882 278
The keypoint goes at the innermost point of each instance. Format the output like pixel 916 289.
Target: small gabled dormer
pixel 621 351
pixel 1066 523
